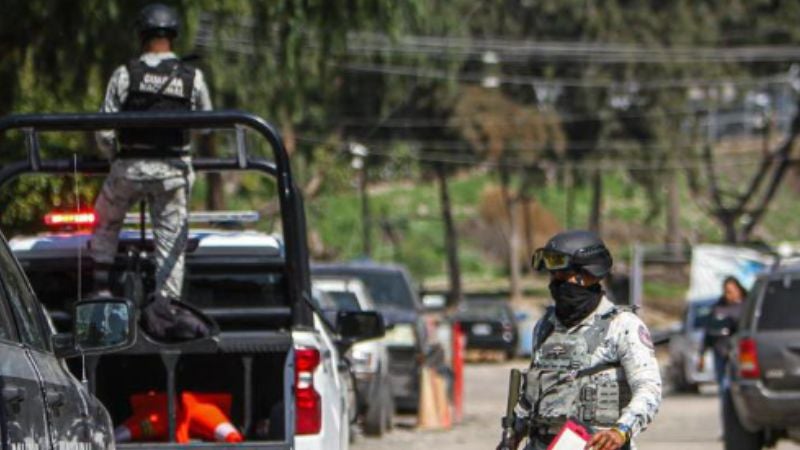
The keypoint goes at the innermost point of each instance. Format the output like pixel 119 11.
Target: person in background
pixel 721 325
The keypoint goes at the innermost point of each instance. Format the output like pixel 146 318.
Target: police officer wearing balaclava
pixel 592 361
pixel 151 164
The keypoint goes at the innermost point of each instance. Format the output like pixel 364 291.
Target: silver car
pixel 684 348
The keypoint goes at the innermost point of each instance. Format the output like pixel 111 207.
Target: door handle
pixel 13 394
pixel 55 399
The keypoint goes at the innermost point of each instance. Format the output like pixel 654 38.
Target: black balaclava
pixel 573 301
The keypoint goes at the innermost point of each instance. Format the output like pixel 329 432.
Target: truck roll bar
pixel 290 200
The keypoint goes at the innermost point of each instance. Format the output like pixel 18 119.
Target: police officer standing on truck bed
pixel 591 360
pixel 152 163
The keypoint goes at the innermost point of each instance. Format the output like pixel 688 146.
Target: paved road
pixel 685 422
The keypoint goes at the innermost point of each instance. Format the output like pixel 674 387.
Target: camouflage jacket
pixel 627 342
pixel 116 94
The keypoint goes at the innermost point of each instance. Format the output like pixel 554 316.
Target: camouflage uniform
pixel 165 183
pixel 620 370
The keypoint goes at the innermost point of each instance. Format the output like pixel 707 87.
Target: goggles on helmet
pixel 551 260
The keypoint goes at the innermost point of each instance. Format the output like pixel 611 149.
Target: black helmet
pixel 157 20
pixel 577 250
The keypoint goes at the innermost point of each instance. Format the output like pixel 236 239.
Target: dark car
pixel 488 324
pixel 762 403
pixel 684 348
pixel 406 339
pixel 44 406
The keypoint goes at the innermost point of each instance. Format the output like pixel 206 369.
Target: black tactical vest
pixel 165 87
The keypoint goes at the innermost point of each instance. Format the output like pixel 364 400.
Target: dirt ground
pixel 689 422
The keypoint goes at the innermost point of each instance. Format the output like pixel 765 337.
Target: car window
pixel 23 304
pixel 235 288
pixel 345 301
pixel 482 310
pixel 780 309
pixel 388 289
pixel 6 330
pixel 750 305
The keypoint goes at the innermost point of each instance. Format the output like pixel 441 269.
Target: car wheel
pixel 389 408
pixel 679 381
pixel 736 437
pixel 377 418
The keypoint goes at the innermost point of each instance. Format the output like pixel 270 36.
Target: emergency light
pixel 61 219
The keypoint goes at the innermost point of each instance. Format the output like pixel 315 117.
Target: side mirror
pixel 104 325
pixel 354 326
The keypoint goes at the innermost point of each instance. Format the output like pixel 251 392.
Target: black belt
pixel 152 153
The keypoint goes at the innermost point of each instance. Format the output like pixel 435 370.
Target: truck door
pixel 70 422
pixel 23 419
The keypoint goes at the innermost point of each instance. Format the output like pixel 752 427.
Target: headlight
pixel 364 361
pixel 401 334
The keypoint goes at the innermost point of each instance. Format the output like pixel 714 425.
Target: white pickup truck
pixel 272 355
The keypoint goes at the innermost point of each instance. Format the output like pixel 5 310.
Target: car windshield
pixel 483 310
pixel 243 290
pixel 387 289
pixel 345 301
pixel 780 309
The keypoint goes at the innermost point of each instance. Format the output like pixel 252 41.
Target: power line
pixel 516 163
pixel 590 52
pixel 455 122
pixel 630 87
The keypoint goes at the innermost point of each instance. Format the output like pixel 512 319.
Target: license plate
pixel 481 329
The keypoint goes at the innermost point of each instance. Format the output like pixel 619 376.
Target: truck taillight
pixel 748 359
pixel 308 403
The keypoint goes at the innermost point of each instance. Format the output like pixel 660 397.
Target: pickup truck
pixel 273 354
pixel 761 402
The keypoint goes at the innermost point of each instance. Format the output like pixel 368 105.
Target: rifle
pixel 509 439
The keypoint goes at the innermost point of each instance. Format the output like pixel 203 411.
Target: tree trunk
pixel 569 213
pixel 597 201
pixel 450 238
pixel 366 220
pixel 527 211
pixel 673 215
pixel 513 236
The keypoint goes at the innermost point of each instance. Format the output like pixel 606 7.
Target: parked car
pixel 684 348
pixel 272 354
pixel 488 323
pixel 369 360
pixel 44 406
pixel 762 403
pixel 406 339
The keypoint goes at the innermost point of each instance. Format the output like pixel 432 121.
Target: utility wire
pixel 630 87
pixel 516 163
pixel 594 52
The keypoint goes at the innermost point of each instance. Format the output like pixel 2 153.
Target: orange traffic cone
pixel 145 427
pixel 208 417
pixel 149 419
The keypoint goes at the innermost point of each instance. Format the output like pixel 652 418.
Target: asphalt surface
pixel 688 422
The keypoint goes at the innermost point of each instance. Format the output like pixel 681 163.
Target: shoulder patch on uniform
pixel 644 336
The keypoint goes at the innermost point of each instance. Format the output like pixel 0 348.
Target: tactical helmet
pixel 575 250
pixel 157 20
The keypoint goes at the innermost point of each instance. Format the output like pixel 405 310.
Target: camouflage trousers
pixel 167 199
